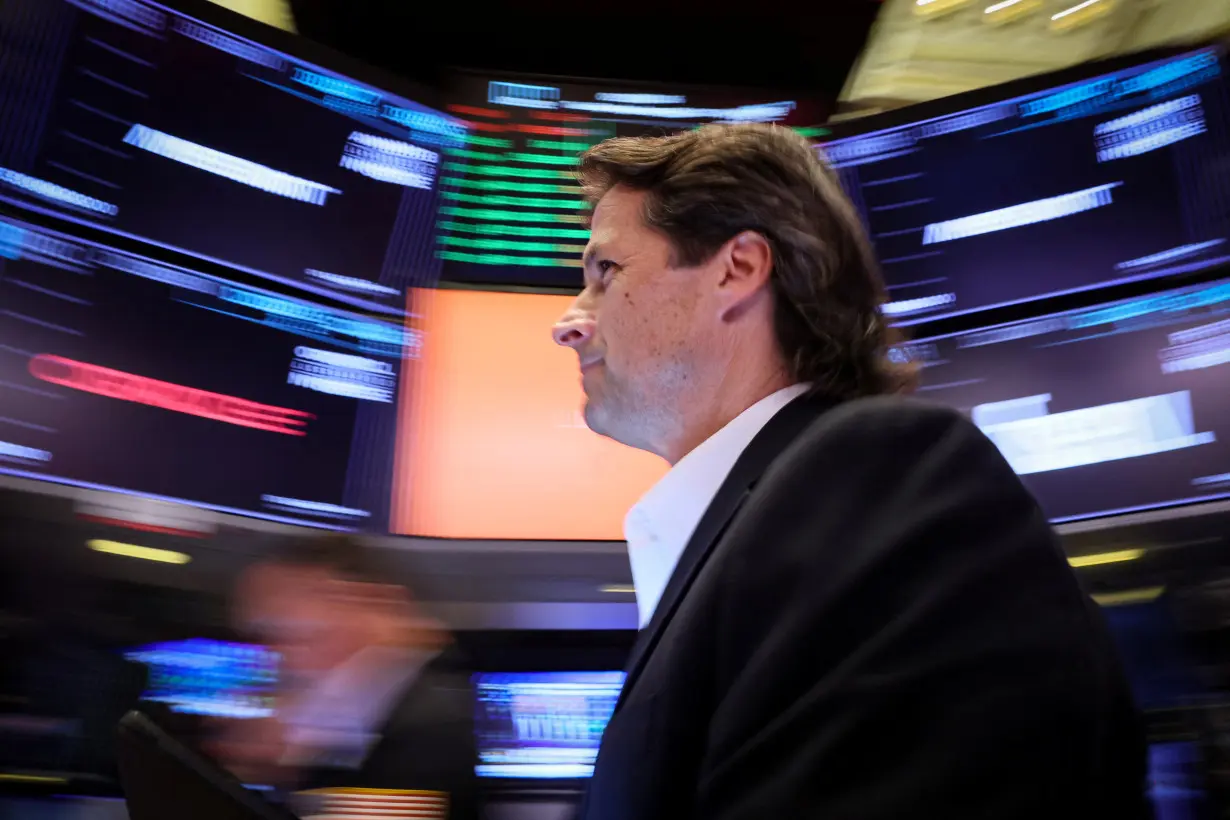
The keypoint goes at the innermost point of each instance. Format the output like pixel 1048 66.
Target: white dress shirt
pixel 659 526
pixel 337 722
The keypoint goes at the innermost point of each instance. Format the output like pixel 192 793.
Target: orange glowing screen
pixel 491 441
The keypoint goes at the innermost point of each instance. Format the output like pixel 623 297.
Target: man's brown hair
pixel 343 556
pixel 707 185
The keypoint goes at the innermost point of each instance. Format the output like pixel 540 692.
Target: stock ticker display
pixel 510 209
pixel 129 116
pixel 1118 178
pixel 1109 409
pixel 542 725
pixel 123 373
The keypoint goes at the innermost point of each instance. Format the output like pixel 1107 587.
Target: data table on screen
pixel 542 725
pixel 511 209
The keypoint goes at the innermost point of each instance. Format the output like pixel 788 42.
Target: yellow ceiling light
pixel 273 12
pixel 1129 596
pixel 1006 11
pixel 135 551
pixel 1099 558
pixel 936 8
pixel 18 777
pixel 618 589
pixel 1080 14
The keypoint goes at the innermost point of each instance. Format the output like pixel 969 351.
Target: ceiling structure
pixel 924 49
pixel 779 44
pixel 916 50
pixel 275 13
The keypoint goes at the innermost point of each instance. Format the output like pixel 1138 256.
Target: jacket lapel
pixel 768 444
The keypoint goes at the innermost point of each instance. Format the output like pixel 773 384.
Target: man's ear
pixel 747 262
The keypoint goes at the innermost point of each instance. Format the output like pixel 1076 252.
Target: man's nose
pixel 574 328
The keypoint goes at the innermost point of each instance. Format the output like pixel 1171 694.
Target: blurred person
pixel 371 692
pixel 850 605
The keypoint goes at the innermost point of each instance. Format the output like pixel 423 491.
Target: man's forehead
pixel 618 204
pixel 615 215
pixel 277 582
pixel 601 235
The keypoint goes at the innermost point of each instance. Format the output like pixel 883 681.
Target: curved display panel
pixel 140 120
pixel 1116 178
pixel 1109 409
pixel 121 372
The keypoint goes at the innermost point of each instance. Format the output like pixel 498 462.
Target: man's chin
pixel 599 421
pixel 592 417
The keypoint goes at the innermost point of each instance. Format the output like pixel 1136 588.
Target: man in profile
pixel 850 605
pixel 371 693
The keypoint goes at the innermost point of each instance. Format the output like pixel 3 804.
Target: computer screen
pixel 511 211
pixel 1176 781
pixel 141 120
pixel 542 725
pixel 492 441
pixel 1109 409
pixel 207 677
pixel 120 372
pixel 1117 178
pixel 1166 681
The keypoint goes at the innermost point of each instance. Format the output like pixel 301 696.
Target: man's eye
pixel 605 266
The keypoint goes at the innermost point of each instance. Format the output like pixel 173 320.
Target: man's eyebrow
pixel 591 252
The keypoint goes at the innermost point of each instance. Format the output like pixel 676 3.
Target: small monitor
pixel 542 725
pixel 1166 682
pixel 206 677
pixel 1176 781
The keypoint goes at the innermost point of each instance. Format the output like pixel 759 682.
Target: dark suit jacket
pixel 427 742
pixel 872 620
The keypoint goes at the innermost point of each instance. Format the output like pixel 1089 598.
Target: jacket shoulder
pixel 887 429
pixel 893 415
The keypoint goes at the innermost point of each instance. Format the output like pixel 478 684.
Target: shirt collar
pixel 659 526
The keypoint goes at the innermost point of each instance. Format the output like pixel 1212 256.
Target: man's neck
pixel 726 404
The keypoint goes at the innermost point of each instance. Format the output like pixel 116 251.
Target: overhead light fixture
pixel 935 8
pixel 1143 595
pixel 1099 558
pixel 1080 14
pixel 618 589
pixel 135 551
pixel 1006 11
pixel 20 777
pixel 1074 9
